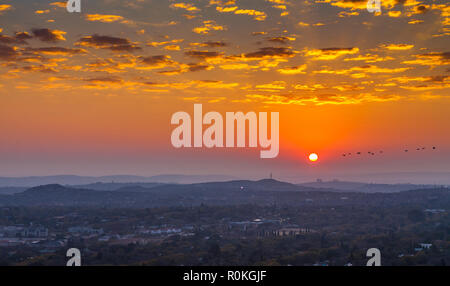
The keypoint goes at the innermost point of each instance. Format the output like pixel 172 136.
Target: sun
pixel 313 157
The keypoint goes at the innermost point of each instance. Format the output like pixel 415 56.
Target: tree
pixel 416 215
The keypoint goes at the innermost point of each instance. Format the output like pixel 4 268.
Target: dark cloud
pixel 156 60
pixel 7 39
pixel 258 33
pixel 421 9
pixel 47 35
pixel 150 83
pixel 17 39
pixel 438 78
pixel 358 1
pixel 198 67
pixel 7 52
pixel 215 44
pixel 38 68
pixel 280 40
pixel 336 49
pixel 442 55
pixel 23 36
pixel 124 48
pixel 56 51
pixel 270 52
pixel 108 42
pixel 202 54
pixel 106 79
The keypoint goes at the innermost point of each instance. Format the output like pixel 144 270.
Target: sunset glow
pixel 94 92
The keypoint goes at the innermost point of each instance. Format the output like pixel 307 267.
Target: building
pixel 85 230
pixel 25 232
pixel 34 232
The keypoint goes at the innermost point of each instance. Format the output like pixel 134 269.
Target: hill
pixel 263 192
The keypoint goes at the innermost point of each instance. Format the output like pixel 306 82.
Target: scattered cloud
pixel 185 6
pixel 103 18
pixel 47 35
pixel 329 53
pixel 293 70
pixel 397 47
pixel 207 27
pixel 430 59
pixel 108 42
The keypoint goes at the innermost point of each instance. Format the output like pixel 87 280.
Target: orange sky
pixel 93 93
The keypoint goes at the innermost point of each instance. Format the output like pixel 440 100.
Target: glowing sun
pixel 313 157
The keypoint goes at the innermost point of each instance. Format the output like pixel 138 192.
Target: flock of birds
pixel 381 152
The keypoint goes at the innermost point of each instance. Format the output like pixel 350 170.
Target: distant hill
pixel 263 192
pixel 364 187
pixel 85 180
pixel 115 186
pixel 11 190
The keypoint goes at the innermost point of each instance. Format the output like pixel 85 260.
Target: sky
pixel 92 93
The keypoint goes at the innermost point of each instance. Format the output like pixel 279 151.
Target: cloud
pixel 369 58
pixel 47 35
pixel 293 70
pixel 427 82
pixel 430 59
pixel 108 42
pixel 320 99
pixel 157 44
pixel 7 52
pixel 56 51
pixel 59 4
pixel 185 6
pixel 5 7
pixel 19 38
pixel 104 80
pixel 273 86
pixel 257 15
pixel 348 14
pixel 103 18
pixel 215 84
pixel 395 14
pixel 348 87
pixel 199 67
pixel 265 58
pixel 281 40
pixel 172 48
pixel 258 33
pixel 203 54
pixel 329 53
pixel 421 9
pixel 230 7
pixel 156 62
pixel 42 11
pixel 37 68
pixel 271 52
pixel 361 71
pixel 207 27
pixel 314 87
pixel 397 47
pixel 376 69
pixel 304 24
pixel 211 44
pixel 111 65
pixel 412 22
